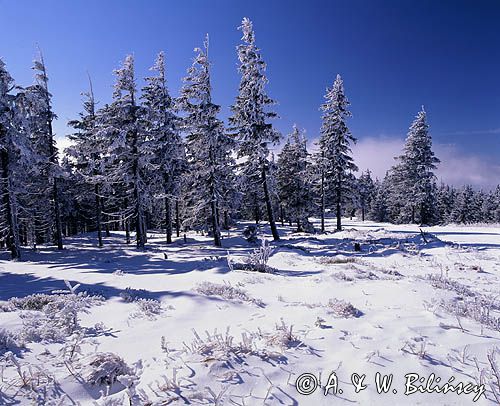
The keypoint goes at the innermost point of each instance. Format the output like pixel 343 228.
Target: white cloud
pixel 459 168
pixel 377 154
pixel 456 167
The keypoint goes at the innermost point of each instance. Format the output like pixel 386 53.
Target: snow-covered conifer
pixel 16 157
pixel 87 152
pixel 293 185
pixel 45 205
pixel 379 205
pixel 463 207
pixel 250 123
pixel 163 144
pixel 335 155
pixel 414 174
pixel 445 200
pixel 365 191
pixel 125 161
pixel 207 147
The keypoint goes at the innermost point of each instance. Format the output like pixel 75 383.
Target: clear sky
pixel 394 57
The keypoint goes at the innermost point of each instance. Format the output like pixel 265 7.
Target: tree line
pixel 148 160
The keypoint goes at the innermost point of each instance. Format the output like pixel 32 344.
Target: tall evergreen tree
pixel 365 191
pixel 294 190
pixel 87 152
pixel 414 173
pixel 379 205
pixel 208 148
pixel 16 157
pixel 496 210
pixel 445 200
pixel 163 143
pixel 125 154
pixel 336 164
pixel 37 102
pixel 463 207
pixel 250 119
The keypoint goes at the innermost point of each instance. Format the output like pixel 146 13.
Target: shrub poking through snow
pixel 131 295
pixel 283 337
pixel 343 277
pixel 341 308
pixel 104 368
pixel 258 259
pixel 475 308
pixel 226 291
pixel 445 283
pixel 468 304
pixel 339 259
pixel 492 373
pixel 416 346
pixel 31 383
pixel 336 307
pixel 57 318
pixel 149 308
pixel 31 302
pixel 220 346
pixel 8 341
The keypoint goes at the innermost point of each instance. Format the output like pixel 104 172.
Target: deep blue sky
pixel 394 56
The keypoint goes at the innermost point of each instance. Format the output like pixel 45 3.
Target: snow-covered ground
pixel 192 328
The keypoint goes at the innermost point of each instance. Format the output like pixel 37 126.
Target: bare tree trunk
pixel 215 224
pixel 339 208
pixel 127 231
pixel 98 214
pixel 53 160
pixel 269 206
pixel 177 219
pixel 322 192
pixel 139 226
pixel 107 223
pixel 12 240
pixel 256 210
pixel 145 224
pixel 168 221
pixel 57 210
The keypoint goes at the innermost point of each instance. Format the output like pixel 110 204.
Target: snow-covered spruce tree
pixel 365 191
pixel 125 160
pixel 163 144
pixel 77 200
pixel 44 201
pixel 445 200
pixel 293 185
pixel 379 205
pixel 463 207
pixel 477 204
pixel 208 148
pixel 250 119
pixel 414 174
pixel 489 207
pixel 335 148
pixel 496 212
pixel 16 157
pixel 86 152
pixel 316 175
